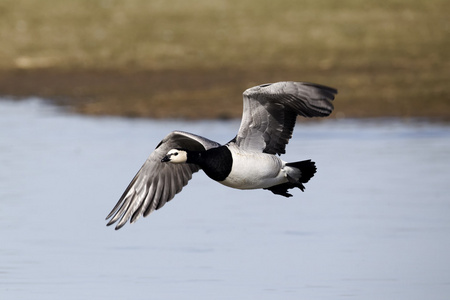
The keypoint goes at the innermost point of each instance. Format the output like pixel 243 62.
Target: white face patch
pixel 177 156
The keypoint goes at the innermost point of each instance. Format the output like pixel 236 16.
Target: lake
pixel 373 223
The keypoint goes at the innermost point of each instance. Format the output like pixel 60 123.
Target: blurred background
pixel 193 59
pixel 373 223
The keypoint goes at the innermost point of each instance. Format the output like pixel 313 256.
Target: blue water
pixel 374 223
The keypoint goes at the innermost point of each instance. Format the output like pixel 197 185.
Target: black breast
pixel 216 162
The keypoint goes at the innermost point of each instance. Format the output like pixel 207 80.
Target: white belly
pixel 252 170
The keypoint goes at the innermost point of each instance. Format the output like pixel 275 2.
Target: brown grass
pixel 194 58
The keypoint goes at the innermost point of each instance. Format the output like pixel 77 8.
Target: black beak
pixel 165 158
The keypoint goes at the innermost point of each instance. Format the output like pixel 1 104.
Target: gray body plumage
pixel 268 120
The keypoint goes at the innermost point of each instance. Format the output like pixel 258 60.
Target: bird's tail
pixel 307 170
pixel 298 173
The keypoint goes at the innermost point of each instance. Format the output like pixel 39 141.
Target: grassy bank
pixel 194 58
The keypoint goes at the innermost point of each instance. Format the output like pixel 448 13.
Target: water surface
pixel 374 223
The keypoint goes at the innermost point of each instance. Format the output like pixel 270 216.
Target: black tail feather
pixel 307 169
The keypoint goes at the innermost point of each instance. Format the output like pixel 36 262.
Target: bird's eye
pixel 176 153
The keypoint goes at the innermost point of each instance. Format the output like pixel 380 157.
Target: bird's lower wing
pixel 157 182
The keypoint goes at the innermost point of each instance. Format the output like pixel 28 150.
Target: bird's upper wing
pixel 158 182
pixel 270 112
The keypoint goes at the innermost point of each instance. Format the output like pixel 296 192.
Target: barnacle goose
pixel 249 161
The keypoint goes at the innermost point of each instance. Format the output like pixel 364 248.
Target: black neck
pixel 216 162
pixel 194 157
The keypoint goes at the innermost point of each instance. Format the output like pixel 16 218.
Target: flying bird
pixel 249 161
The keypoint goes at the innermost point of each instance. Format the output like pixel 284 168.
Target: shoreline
pixel 199 93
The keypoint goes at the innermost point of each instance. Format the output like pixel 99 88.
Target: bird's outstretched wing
pixel 270 112
pixel 156 182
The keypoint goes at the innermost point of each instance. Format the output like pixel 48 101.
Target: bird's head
pixel 175 156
